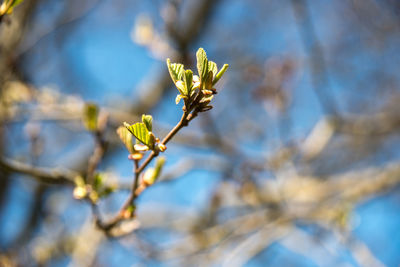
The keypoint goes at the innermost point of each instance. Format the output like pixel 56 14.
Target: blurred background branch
pixel 297 164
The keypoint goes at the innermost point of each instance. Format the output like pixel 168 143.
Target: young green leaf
pixel 220 73
pixel 148 121
pixel 139 130
pixel 126 138
pixel 188 79
pixel 181 87
pixel 212 66
pixel 175 70
pixel 90 114
pixel 208 83
pixel 202 63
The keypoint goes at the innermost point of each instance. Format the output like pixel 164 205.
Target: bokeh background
pixel 297 164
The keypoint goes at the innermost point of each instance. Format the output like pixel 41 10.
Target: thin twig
pixel 46 175
pixel 138 170
pixel 96 157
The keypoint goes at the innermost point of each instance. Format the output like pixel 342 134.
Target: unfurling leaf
pixel 188 79
pixel 175 70
pixel 181 88
pixel 202 64
pixel 126 138
pixel 196 82
pixel 209 81
pixel 140 131
pixel 220 73
pixel 148 121
pixel 212 66
pixel 90 114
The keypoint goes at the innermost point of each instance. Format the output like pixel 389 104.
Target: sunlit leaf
pixel 175 70
pixel 140 131
pixel 202 63
pixel 126 138
pixel 220 73
pixel 152 140
pixel 188 79
pixel 90 114
pixel 148 121
pixel 181 88
pixel 208 83
pixel 212 66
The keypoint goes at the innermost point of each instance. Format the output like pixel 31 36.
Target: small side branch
pixel 45 175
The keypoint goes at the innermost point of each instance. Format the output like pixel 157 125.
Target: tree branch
pixel 45 175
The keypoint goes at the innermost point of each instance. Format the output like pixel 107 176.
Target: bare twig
pixel 46 175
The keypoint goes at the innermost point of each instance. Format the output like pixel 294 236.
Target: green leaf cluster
pixel 183 79
pixel 208 70
pixel 142 131
pixel 188 84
